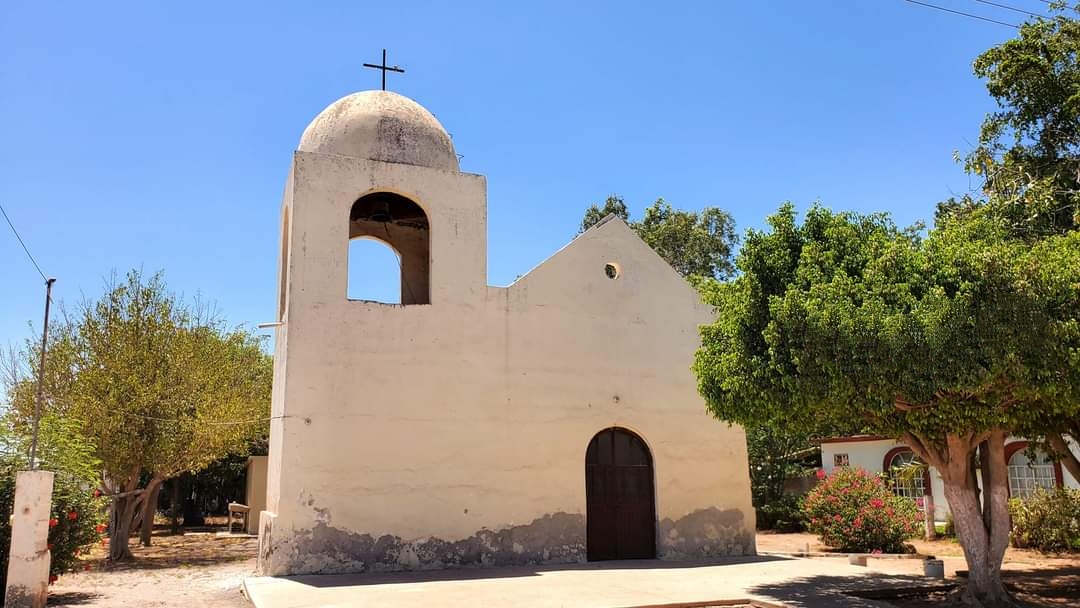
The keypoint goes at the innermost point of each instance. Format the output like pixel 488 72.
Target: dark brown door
pixel 620 517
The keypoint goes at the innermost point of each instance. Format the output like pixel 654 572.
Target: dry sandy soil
pixel 190 571
pixel 1038 579
pixel 206 571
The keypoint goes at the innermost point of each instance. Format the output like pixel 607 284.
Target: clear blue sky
pixel 158 134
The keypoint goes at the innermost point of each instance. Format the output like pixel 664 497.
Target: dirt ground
pixel 1038 579
pixel 205 570
pixel 196 570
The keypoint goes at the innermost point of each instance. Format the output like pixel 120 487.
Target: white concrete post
pixel 28 560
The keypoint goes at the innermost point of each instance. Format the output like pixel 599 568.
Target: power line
pixel 1010 8
pixel 955 12
pixel 204 423
pixel 25 248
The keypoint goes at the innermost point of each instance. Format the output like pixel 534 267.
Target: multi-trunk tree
pixel 949 342
pixel 157 387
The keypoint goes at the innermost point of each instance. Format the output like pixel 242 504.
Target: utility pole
pixel 41 376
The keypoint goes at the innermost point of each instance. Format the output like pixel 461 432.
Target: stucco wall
pixel 255 491
pixel 455 433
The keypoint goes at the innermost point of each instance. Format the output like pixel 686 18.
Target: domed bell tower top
pixel 377 165
pixel 383 126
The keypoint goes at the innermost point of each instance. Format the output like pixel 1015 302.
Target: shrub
pixel 783 515
pixel 74 521
pixel 853 511
pixel 1047 521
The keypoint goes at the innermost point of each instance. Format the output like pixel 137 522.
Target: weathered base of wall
pixel 324 549
pixel 556 538
pixel 707 532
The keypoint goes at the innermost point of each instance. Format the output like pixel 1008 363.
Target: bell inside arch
pixel 380 212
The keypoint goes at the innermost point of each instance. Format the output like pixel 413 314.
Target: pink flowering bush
pixel 855 512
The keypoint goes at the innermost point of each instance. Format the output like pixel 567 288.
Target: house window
pixel 906 482
pixel 1026 474
pixel 840 460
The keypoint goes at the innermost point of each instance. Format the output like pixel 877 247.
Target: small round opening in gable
pixel 612 270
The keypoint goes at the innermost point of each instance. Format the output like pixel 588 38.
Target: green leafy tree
pixel 776 452
pixel 614 205
pixel 698 245
pixel 1029 154
pixel 1029 150
pixel 157 387
pixel 948 343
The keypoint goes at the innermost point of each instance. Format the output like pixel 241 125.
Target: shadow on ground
pixel 862 590
pixel 73 598
pixel 182 552
pixel 482 573
pixel 1049 587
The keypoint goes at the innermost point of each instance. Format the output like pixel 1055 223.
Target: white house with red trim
pixel 882 454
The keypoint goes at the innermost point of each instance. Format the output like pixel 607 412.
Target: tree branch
pixel 1068 458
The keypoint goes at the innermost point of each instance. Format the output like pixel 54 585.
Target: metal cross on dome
pixel 385 68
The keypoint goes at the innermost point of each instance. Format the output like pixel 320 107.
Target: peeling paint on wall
pixel 24 597
pixel 552 539
pixel 706 533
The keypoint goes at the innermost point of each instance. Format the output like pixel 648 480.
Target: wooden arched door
pixel 620 518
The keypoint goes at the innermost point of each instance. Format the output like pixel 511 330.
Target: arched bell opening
pixel 403 225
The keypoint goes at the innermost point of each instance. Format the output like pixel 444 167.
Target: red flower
pixel 53 578
pixel 97 493
pixel 72 515
pixel 821 474
pixel 54 522
pixel 50 546
pixel 857 523
pixel 100 528
pixel 877 503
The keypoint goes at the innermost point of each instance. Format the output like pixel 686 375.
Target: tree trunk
pixel 996 493
pixel 149 508
pixel 986 474
pixel 984 579
pixel 983 539
pixel 123 512
pixel 1068 458
pixel 119 550
pixel 174 505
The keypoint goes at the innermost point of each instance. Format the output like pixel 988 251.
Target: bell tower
pixel 372 165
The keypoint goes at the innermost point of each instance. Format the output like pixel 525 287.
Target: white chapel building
pixel 554 420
